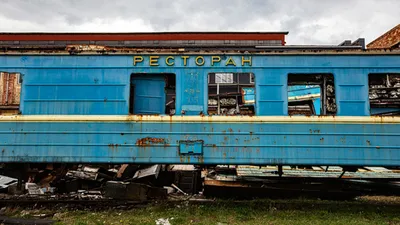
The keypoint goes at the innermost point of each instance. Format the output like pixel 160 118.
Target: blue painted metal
pixel 306 90
pixel 99 85
pixel 227 143
pixel 248 96
pixel 149 95
pixel 191 147
pixel 377 111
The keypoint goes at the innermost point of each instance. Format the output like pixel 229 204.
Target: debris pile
pixel 92 182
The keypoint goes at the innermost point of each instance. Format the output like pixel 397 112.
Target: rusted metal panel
pixel 388 40
pixel 10 89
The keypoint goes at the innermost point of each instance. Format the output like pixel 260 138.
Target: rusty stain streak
pixel 149 140
pixel 201 159
pixel 113 146
pixel 368 142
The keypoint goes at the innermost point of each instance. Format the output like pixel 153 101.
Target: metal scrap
pixel 150 171
pixel 5 181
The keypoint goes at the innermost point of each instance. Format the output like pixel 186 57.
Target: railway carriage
pixel 194 107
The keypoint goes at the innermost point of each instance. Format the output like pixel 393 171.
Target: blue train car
pixel 192 108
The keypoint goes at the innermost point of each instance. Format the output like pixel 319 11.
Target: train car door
pixel 148 93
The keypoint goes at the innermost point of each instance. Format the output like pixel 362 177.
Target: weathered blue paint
pixel 99 85
pixel 249 96
pixel 305 90
pixel 149 96
pixel 227 143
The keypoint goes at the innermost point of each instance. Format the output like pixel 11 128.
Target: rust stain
pixel 201 159
pixel 113 146
pixel 149 140
pixel 230 130
pixel 368 142
pixel 322 139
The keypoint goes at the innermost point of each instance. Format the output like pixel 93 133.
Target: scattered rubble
pixel 95 182
pixel 143 183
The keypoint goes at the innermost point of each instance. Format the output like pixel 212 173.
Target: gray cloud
pixel 309 22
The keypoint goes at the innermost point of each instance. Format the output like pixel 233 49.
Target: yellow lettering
pixel 185 59
pixel 201 60
pixel 215 59
pixel 137 59
pixel 230 61
pixel 154 60
pixel 167 61
pixel 246 60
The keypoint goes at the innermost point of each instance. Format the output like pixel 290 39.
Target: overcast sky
pixel 308 21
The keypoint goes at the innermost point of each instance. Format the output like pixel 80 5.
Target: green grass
pixel 296 211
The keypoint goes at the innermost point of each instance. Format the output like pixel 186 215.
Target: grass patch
pixel 297 211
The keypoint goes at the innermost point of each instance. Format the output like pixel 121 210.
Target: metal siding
pixel 193 101
pixel 55 85
pixel 76 91
pixel 352 92
pixel 149 96
pixel 230 143
pixel 271 92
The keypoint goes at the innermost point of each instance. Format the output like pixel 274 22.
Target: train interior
pixel 231 94
pixel 311 94
pixel 384 94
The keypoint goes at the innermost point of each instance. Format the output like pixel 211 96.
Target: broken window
pixel 152 94
pixel 10 92
pixel 311 94
pixel 231 94
pixel 384 94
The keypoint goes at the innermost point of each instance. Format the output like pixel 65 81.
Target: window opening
pixel 10 92
pixel 384 94
pixel 311 94
pixel 231 94
pixel 152 94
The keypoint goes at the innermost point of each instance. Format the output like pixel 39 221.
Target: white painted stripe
pixel 304 97
pixel 202 119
